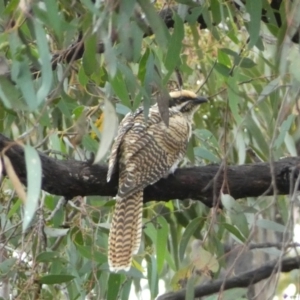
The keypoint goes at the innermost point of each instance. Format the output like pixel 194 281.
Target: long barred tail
pixel 125 232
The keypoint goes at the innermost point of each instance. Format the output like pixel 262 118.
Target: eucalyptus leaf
pixel 254 8
pixel 56 232
pixel 54 279
pixel 110 126
pixel 34 182
pixel 45 62
pixel 188 233
pixel 161 243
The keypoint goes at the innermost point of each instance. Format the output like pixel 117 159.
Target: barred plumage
pixel 145 152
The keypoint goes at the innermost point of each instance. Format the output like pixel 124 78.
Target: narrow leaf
pixel 233 230
pixel 110 125
pixel 114 282
pixel 34 182
pixel 156 23
pixel 57 278
pixel 205 154
pixel 271 225
pixel 45 62
pixel 20 72
pixel 189 231
pixel 47 256
pixel 190 288
pixel 161 244
pixel 234 98
pixel 284 128
pixel 175 44
pixel 254 8
pixel 269 88
pixel 55 232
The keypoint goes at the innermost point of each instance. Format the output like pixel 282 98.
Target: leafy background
pixel 53 102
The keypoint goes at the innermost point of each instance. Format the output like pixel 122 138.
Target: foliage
pixel 53 90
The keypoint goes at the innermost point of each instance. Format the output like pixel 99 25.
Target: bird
pixel 144 151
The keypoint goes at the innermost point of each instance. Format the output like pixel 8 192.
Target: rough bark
pixel 72 178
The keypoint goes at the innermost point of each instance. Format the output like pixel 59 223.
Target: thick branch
pixel 71 178
pixel 243 280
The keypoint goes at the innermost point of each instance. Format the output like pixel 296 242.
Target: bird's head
pixel 186 102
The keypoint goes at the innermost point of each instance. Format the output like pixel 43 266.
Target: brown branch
pixel 72 178
pixel 242 280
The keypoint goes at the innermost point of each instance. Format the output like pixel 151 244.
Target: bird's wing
pixel 125 125
pixel 149 151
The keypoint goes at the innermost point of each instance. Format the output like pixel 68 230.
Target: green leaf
pixel 34 182
pixel 230 52
pixel 122 109
pixel 119 86
pixel 156 23
pixel 188 233
pixel 271 225
pixel 56 232
pixel 194 13
pixel 7 265
pixel 143 65
pixel 222 69
pixel 82 77
pixel 233 230
pixel 290 145
pixel 9 94
pixel 284 128
pixel 256 133
pixel 110 57
pixel 20 71
pixel 269 88
pixel 161 243
pixel 175 44
pixel 230 204
pixel 14 208
pixel 53 14
pixel 113 286
pixel 234 98
pixel 89 143
pixel 89 60
pixel 126 287
pixel 254 8
pixel 216 11
pixel 45 63
pixel 110 125
pixel 205 154
pixel 86 251
pixel 190 288
pixel 47 256
pixel 152 275
pixel 239 220
pixel 245 62
pixel 205 135
pixel 150 230
pixel 57 278
pixel 223 58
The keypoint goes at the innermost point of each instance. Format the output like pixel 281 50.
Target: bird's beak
pixel 200 100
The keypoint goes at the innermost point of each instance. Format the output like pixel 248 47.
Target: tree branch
pixel 72 178
pixel 242 280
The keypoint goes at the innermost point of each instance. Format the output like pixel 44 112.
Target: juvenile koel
pixel 145 151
